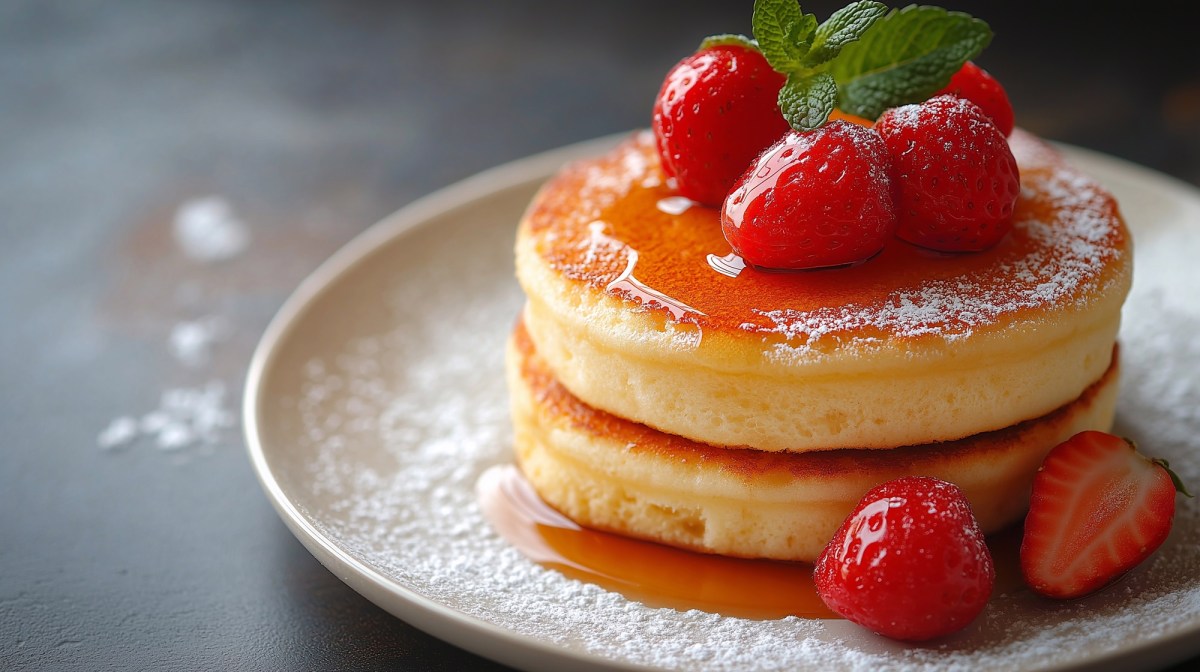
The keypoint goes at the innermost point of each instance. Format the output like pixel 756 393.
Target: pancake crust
pixel 633 307
pixel 610 473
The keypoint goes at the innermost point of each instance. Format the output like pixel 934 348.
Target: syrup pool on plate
pixel 663 576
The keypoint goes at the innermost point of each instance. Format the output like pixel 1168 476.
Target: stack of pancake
pixel 663 390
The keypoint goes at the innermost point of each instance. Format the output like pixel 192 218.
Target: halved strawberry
pixel 1098 509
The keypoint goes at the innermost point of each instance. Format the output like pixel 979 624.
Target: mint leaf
pixel 863 59
pixel 727 40
pixel 841 28
pixel 905 57
pixel 783 33
pixel 806 102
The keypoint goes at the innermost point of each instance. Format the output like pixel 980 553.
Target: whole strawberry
pixel 716 110
pixel 813 199
pixel 978 86
pixel 1098 509
pixel 909 563
pixel 957 180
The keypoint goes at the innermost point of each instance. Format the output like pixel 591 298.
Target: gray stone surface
pixel 312 121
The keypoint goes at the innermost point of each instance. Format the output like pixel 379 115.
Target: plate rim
pixel 458 628
pixel 448 624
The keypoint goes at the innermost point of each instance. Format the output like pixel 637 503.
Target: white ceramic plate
pixel 376 399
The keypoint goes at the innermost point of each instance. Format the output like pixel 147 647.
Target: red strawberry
pixel 716 110
pixel 956 176
pixel 813 199
pixel 976 85
pixel 1098 509
pixel 910 562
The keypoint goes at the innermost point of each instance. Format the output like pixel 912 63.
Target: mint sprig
pixel 796 45
pixel 784 34
pixel 807 101
pixel 863 58
pixel 844 26
pixel 906 57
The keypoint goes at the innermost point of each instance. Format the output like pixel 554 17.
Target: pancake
pixel 639 309
pixel 612 474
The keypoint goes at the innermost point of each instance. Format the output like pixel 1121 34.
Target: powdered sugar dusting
pixel 208 230
pixel 192 341
pixel 398 426
pixel 1066 268
pixel 185 417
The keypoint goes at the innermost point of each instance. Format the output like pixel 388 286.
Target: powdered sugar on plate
pixel 396 426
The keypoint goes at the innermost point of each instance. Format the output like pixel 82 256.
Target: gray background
pixel 314 120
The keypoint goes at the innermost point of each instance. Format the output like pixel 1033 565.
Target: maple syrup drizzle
pixel 663 576
pixel 646 572
pixel 626 284
pixel 632 287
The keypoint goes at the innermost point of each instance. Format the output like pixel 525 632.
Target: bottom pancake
pixel 611 474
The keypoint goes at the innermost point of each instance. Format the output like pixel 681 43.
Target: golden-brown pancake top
pixel 615 224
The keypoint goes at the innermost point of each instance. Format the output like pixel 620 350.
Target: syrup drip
pixel 631 286
pixel 730 265
pixel 663 576
pixel 626 284
pixel 646 572
pixel 674 205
